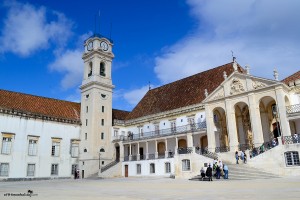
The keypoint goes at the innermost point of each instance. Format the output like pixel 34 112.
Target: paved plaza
pixel 152 188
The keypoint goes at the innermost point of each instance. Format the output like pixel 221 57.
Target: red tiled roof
pixel 292 77
pixel 181 93
pixel 39 105
pixel 119 114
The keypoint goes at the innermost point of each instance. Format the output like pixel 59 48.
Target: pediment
pixel 238 83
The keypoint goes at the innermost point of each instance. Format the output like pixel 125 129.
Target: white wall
pixel 19 158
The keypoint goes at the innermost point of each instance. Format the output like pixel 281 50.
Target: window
pixel 173 126
pixel 103 109
pixel 85 136
pixel 54 169
pixel 102 122
pixel 138 169
pixel 87 96
pixel 292 158
pixel 4 169
pixel 102 69
pixel 74 149
pixel 87 109
pixel 156 129
pixel 86 122
pixel 32 147
pixel 84 150
pixel 6 145
pixel 141 131
pixel 30 169
pixel 102 136
pixel 186 165
pixel 191 122
pixel 116 133
pixel 152 168
pixel 167 167
pixel 90 69
pixel 55 148
pixel 74 167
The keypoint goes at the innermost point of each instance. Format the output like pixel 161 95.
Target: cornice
pixel 20 113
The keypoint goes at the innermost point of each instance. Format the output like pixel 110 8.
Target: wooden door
pixel 126 170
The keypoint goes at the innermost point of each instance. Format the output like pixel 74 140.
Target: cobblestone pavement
pixel 152 188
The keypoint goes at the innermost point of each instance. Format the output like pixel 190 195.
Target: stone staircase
pixel 112 172
pixel 243 172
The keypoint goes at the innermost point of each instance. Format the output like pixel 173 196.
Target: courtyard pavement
pixel 152 188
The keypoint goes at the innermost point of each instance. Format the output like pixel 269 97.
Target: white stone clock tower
pixel 96 149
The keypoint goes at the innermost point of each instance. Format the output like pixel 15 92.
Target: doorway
pixel 126 170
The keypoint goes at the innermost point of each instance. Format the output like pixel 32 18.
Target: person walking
pixel 218 172
pixel 209 173
pixel 245 158
pixel 242 155
pixel 225 168
pixel 202 172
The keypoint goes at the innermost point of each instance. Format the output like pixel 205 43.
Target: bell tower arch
pixel 96 104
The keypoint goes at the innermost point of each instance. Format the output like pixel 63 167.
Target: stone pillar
pixel 130 152
pixel 255 120
pixel 156 153
pixel 167 150
pixel 147 151
pixel 138 151
pixel 210 129
pixel 231 126
pixel 281 109
pixel 176 145
pixel 122 152
pixel 189 137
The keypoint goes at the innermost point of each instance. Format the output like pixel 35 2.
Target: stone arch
pixel 182 143
pixel 220 129
pixel 102 69
pixel 243 125
pixel 90 69
pixel 117 151
pixel 204 142
pixel 268 120
pixel 161 148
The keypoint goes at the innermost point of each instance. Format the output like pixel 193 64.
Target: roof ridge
pixel 192 75
pixel 39 96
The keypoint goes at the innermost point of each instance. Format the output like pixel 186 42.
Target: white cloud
pixel 261 33
pixel 28 29
pixel 71 64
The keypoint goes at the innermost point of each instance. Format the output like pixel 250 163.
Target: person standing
pixel 209 173
pixel 225 168
pixel 218 172
pixel 75 173
pixel 237 157
pixel 245 158
pixel 202 172
pixel 242 155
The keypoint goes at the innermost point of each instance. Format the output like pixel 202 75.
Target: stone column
pixel 189 137
pixel 176 145
pixel 255 120
pixel 241 132
pixel 231 126
pixel 130 152
pixel 167 150
pixel 122 152
pixel 281 109
pixel 156 153
pixel 138 151
pixel 147 150
pixel 210 129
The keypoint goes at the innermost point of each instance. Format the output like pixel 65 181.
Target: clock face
pixel 89 46
pixel 104 46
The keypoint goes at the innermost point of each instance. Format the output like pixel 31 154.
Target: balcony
pixel 163 132
pixel 293 109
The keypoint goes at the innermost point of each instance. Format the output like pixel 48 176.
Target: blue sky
pixel 41 42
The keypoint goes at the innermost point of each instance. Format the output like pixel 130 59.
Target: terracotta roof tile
pixel 39 105
pixel 292 77
pixel 119 114
pixel 181 93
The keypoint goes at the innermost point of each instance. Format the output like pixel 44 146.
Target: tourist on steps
pixel 209 173
pixel 225 168
pixel 237 157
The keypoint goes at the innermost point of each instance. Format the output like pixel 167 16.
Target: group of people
pixel 242 156
pixel 217 169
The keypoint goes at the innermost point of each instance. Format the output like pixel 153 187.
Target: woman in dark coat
pixel 209 173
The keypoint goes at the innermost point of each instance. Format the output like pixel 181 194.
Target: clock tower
pixel 96 149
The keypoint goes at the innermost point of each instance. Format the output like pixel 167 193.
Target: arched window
pixel 102 69
pixel 102 150
pixel 84 150
pixel 90 69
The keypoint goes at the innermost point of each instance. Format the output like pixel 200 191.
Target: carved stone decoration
pixel 257 84
pixel 219 95
pixel 236 86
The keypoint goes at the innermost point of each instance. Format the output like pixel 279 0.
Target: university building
pixel 173 131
